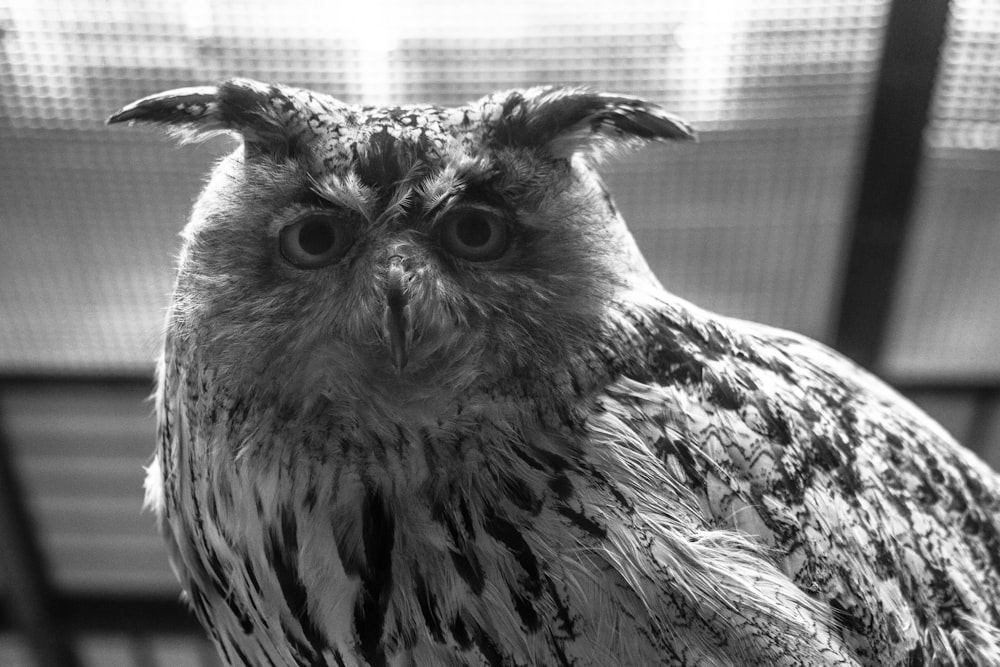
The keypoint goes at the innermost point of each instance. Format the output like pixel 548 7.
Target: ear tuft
pixel 244 106
pixel 173 106
pixel 566 121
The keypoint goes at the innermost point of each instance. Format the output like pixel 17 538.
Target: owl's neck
pixel 387 411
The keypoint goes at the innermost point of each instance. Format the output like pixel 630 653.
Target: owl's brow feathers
pixel 383 182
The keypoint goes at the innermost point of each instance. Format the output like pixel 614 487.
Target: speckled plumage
pixel 415 454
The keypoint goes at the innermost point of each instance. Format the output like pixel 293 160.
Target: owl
pixel 422 402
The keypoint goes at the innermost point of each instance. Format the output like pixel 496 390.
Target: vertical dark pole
pixel 913 39
pixel 27 589
pixel 984 422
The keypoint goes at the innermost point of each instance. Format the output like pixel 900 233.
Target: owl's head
pixel 401 252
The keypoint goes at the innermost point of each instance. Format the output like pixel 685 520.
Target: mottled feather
pixel 422 402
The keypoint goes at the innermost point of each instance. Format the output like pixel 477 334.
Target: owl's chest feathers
pixel 481 535
pixel 514 531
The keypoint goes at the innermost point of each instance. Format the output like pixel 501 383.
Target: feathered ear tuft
pixel 246 107
pixel 566 121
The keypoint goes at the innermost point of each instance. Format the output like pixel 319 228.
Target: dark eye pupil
pixel 316 237
pixel 473 232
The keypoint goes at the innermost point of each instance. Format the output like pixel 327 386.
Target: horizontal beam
pixel 136 614
pixel 27 589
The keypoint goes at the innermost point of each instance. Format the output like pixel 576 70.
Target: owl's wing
pixel 869 504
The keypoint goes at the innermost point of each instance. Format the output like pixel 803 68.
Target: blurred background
pixel 847 186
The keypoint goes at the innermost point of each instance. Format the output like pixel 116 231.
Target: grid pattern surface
pixel 750 222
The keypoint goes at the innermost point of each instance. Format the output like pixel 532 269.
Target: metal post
pixel 913 39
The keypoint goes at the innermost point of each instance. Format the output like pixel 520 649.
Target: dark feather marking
pixel 623 502
pixel 508 124
pixel 441 513
pixel 251 578
pixel 611 487
pixel 582 521
pixel 244 107
pixel 468 568
pixel 282 551
pixel 848 478
pixel 215 565
pixel 561 485
pixel 384 163
pixel 532 463
pixel 222 647
pixel 557 647
pixel 428 609
pixel 213 509
pixel 463 557
pixel 726 394
pixel 666 446
pixel 777 423
pixel 845 618
pixel 483 187
pixel 218 578
pixel 253 601
pixel 527 612
pixel 486 645
pixel 378 164
pixel 470 527
pixel 825 455
pixel 555 462
pixel 507 534
pixel 216 573
pixel 378 532
pixel 351 560
pixel 565 619
pixel 310 498
pixel 915 658
pixel 240 653
pixel 522 496
pixel 303 654
pixel 460 633
pixel 513 101
pixel 197 599
pixel 688 371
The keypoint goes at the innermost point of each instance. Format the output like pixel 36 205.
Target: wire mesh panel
pixel 749 222
pixel 947 317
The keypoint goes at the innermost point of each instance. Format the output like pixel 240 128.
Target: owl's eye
pixel 474 234
pixel 315 240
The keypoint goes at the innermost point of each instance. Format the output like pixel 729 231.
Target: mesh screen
pixel 946 320
pixel 750 222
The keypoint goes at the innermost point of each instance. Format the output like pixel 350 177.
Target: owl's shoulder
pixel 870 504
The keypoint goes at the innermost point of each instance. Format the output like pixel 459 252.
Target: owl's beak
pixel 396 317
